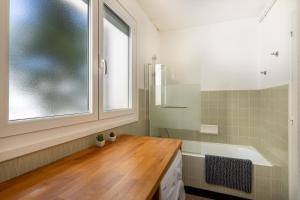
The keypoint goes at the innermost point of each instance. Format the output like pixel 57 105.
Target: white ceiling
pixel 179 14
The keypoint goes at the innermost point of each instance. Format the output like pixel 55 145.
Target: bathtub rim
pixel 267 164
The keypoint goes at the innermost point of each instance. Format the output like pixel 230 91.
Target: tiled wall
pixel 258 118
pixel 272 122
pixel 252 117
pixel 255 117
pixel 233 112
pixel 272 131
pixel 15 167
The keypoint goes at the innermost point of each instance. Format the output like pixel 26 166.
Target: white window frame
pixel 116 7
pixel 24 137
pixel 41 133
pixel 10 128
pixel 27 136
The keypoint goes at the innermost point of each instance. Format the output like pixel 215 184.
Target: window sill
pixel 16 146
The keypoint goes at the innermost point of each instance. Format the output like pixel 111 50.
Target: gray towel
pixel 229 172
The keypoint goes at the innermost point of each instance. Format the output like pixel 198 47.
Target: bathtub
pixel 200 149
pixel 193 153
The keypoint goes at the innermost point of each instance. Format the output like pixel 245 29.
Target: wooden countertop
pixel 130 168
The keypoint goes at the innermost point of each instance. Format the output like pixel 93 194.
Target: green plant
pixel 112 134
pixel 100 138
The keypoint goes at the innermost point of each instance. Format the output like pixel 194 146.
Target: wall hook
pixel 276 53
pixel 264 73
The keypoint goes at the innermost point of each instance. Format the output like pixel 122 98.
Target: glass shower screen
pixel 174 104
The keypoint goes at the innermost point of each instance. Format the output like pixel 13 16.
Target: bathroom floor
pixel 193 197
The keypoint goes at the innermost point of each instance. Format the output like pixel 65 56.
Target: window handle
pixel 104 66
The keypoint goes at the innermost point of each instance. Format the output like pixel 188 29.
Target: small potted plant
pixel 100 141
pixel 112 137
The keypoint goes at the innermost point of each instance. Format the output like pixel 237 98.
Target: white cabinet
pixel 171 186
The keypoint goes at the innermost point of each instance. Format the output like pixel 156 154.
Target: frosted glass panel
pixel 174 105
pixel 48 58
pixel 116 55
pixel 182 111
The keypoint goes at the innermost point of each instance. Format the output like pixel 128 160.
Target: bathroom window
pixel 47 69
pixel 51 75
pixel 48 58
pixel 53 85
pixel 117 79
pixel 118 61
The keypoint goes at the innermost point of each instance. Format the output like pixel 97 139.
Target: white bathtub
pixel 193 154
pixel 227 150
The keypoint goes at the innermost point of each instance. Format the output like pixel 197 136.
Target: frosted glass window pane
pixel 116 54
pixel 48 58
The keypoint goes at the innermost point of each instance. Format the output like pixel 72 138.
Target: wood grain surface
pixel 130 168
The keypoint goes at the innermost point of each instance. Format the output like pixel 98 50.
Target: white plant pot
pixel 112 139
pixel 100 144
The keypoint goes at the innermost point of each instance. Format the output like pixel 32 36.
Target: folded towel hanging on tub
pixel 230 172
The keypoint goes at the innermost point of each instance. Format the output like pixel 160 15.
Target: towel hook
pixel 264 73
pixel 276 53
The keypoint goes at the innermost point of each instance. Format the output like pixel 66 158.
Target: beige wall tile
pixel 257 118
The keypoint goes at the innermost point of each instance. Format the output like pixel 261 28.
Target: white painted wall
pixel 294 136
pixel 220 56
pixel 231 55
pixel 148 38
pixel 297 180
pixel 274 35
pixel 295 191
pixel 294 146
